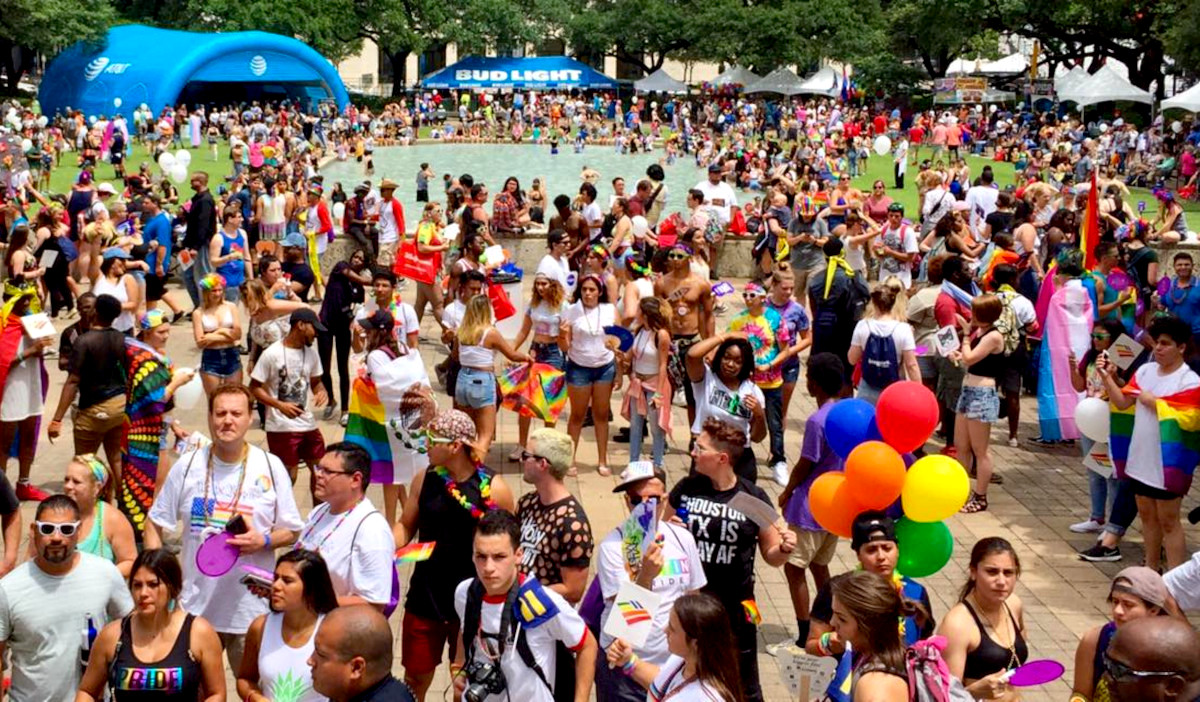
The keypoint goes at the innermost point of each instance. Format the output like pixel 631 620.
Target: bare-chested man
pixel 691 300
pixel 572 223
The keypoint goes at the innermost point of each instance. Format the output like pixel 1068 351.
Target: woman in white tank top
pixel 114 281
pixel 278 644
pixel 475 391
pixel 648 399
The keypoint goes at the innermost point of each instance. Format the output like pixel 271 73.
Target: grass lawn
pixel 64 176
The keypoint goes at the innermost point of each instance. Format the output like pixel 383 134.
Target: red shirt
pixel 916 134
pixel 945 310
pixel 880 124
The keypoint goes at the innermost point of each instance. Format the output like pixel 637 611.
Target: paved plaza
pixel 1044 491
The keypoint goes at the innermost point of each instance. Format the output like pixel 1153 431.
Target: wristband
pixel 627 669
pixel 823 643
pixel 266 539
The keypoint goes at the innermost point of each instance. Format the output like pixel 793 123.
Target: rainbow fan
pixel 536 390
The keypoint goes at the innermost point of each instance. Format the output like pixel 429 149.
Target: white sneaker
pixel 780 473
pixel 1091 526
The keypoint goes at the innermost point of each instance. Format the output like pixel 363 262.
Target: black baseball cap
pixel 872 526
pixel 304 314
pixel 381 319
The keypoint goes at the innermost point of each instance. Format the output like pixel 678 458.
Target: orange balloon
pixel 875 473
pixel 831 503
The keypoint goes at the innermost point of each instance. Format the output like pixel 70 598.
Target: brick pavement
pixel 1045 490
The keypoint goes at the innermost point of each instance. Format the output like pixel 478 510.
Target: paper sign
pixel 49 256
pixel 638 532
pixel 1098 460
pixel 38 326
pixel 632 614
pixel 945 341
pixel 1124 351
pixel 759 512
pixel 806 677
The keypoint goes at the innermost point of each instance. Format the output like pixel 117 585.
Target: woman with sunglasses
pixel 217 329
pixel 543 317
pixel 1136 593
pixel 591 363
pixel 159 651
pixel 104 531
pixel 877 203
pixel 278 644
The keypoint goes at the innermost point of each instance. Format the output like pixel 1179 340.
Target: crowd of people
pixel 180 549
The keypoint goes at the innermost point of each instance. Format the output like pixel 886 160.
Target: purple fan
pixel 216 557
pixel 1037 672
pixel 1164 286
pixel 1119 280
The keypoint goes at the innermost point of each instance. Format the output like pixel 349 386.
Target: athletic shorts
pixel 292 447
pixel 812 547
pixel 422 641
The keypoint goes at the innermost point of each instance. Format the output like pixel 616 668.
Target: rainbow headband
pixel 99 471
pixel 212 281
pixel 601 252
pixel 152 319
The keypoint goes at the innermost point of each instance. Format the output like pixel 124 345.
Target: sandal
pixel 977 503
pixel 515 455
pixel 603 470
pixel 572 472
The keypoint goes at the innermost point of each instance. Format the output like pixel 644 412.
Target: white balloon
pixel 1177 126
pixel 26 145
pixel 1103 128
pixel 640 226
pixel 91 119
pixel 184 157
pixel 1092 417
pixel 179 173
pixel 339 210
pixel 116 102
pixel 882 144
pixel 42 122
pixel 189 395
pixel 166 161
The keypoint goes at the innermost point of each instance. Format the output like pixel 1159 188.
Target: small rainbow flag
pixel 752 614
pixel 633 612
pixel 415 552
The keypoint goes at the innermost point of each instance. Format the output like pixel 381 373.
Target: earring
pixel 171 605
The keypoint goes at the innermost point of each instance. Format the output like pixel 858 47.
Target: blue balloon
pixel 848 425
pixel 873 431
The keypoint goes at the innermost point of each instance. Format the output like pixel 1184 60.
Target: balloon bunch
pixel 175 165
pixel 876 444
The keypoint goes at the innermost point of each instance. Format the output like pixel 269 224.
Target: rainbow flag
pixel 1179 434
pixel 145 404
pixel 536 390
pixel 752 614
pixel 633 612
pixel 367 427
pixel 415 552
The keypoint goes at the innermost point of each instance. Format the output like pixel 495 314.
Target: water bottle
pixel 88 637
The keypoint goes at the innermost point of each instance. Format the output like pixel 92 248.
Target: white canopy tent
pixel 1070 79
pixel 659 82
pixel 736 75
pixel 1105 85
pixel 1013 63
pixel 823 82
pixel 781 80
pixel 1187 100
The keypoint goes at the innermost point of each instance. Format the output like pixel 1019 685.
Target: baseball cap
pixel 715 168
pixel 872 526
pixel 896 207
pixel 453 424
pixel 106 189
pixel 1142 582
pixel 152 319
pixel 379 320
pixel 295 240
pixel 305 314
pixel 115 252
pixel 638 471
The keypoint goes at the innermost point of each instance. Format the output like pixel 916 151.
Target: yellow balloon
pixel 935 489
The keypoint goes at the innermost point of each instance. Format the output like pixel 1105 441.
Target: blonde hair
pixel 554 294
pixel 254 296
pixel 476 320
pixel 555 447
pixel 888 297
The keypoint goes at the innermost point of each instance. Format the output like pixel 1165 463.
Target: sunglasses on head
pixel 64 528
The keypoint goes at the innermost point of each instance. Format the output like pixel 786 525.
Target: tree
pixel 319 23
pixel 28 27
pixel 639 32
pixel 1182 38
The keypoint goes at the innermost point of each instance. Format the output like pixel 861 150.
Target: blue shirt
pixel 1184 303
pixel 818 451
pixel 158 229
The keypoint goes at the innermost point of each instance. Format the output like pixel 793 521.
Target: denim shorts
pixel 549 354
pixel 475 388
pixel 222 363
pixel 980 403
pixel 581 376
pixel 791 373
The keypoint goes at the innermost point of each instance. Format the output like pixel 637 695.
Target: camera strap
pixel 470 623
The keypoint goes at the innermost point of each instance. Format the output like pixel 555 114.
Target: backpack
pixel 880 363
pixel 929 678
pixel 1008 325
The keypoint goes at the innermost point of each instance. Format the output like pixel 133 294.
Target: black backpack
pixel 470 622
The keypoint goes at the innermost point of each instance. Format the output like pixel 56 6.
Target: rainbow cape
pixel 11 333
pixel 367 427
pixel 1178 431
pixel 149 373
pixel 537 390
pixel 1067 328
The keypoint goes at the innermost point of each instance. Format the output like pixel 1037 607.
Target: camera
pixel 483 679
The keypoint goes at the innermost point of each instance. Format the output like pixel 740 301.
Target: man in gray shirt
pixel 45 604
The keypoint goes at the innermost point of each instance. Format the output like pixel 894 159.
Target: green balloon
pixel 925 547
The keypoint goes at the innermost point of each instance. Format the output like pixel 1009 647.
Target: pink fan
pixel 1037 672
pixel 1164 286
pixel 216 557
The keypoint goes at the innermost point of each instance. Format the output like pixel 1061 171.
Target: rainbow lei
pixel 485 490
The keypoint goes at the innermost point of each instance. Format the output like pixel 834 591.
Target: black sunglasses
pixel 1117 670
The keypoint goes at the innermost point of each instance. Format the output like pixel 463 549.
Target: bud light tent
pixel 136 64
pixel 534 73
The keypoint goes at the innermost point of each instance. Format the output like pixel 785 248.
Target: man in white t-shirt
pixel 47 601
pixel 896 246
pixel 350 534
pixel 391 223
pixel 719 195
pixel 670 568
pixel 404 316
pixel 281 380
pixel 593 216
pixel 981 200
pixel 205 490
pixel 539 619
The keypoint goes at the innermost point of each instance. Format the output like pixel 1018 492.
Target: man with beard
pixel 47 601
pixel 691 300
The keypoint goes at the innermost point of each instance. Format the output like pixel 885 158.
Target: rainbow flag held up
pixel 752 614
pixel 633 612
pixel 367 427
pixel 1179 434
pixel 146 401
pixel 415 552
pixel 536 390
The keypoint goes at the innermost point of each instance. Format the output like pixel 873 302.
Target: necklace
pixel 1014 660
pixel 211 506
pixel 308 532
pixel 1175 286
pixel 485 490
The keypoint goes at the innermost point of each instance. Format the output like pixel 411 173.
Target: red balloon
pixel 875 473
pixel 832 504
pixel 907 414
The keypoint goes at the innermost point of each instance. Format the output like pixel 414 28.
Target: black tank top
pixel 990 657
pixel 991 365
pixel 444 520
pixel 175 678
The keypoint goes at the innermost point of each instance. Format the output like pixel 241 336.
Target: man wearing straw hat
pixel 391 223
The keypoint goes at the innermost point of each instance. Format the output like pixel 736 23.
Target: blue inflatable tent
pixel 135 64
pixel 536 73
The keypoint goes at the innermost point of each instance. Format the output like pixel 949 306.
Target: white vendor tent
pixel 823 82
pixel 659 82
pixel 1187 100
pixel 1069 79
pixel 1105 85
pixel 736 75
pixel 1013 63
pixel 781 80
